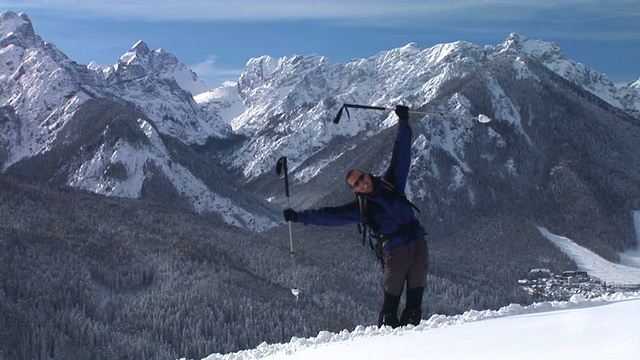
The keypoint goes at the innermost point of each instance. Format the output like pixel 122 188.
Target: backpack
pixel 365 226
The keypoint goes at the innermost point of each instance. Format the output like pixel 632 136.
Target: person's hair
pixel 346 179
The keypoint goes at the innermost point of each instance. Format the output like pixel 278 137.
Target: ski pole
pixel 281 167
pixel 480 117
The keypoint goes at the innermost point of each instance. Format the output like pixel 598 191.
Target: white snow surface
pixel 606 327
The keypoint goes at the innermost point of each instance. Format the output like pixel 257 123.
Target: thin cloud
pixel 370 11
pixel 267 10
pixel 570 19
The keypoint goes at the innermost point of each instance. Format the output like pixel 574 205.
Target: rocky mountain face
pixel 134 129
pixel 119 130
pixel 294 99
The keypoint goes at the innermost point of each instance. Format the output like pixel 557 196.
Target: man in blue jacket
pixel 381 205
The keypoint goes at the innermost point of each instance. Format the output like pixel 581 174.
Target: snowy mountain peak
pixel 139 52
pixel 541 50
pixel 140 62
pixel 257 70
pixel 140 47
pixel 135 63
pixel 551 56
pixel 16 26
pixel 411 48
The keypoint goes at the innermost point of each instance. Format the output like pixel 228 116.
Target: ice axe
pixel 481 118
pixel 281 168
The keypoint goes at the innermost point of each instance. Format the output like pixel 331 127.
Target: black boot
pixel 412 313
pixel 389 313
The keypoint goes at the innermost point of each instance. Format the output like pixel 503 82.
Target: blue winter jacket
pixel 387 212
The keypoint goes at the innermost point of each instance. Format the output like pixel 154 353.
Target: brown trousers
pixel 408 263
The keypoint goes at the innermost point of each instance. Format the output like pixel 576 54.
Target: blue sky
pixel 216 38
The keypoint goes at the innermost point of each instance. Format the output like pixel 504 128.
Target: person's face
pixel 360 182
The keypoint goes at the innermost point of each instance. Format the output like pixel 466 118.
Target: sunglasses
pixel 359 181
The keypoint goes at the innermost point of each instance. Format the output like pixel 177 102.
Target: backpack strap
pixel 400 194
pixel 363 228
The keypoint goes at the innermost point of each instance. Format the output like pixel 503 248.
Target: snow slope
pixel 632 257
pixel 594 264
pixel 607 327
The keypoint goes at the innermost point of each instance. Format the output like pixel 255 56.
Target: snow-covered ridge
pixel 43 89
pixel 165 64
pixel 550 54
pixel 272 88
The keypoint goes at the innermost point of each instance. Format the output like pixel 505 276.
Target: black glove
pixel 290 215
pixel 402 112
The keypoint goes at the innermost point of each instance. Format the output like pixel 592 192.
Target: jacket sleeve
pixel 348 213
pixel 398 170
